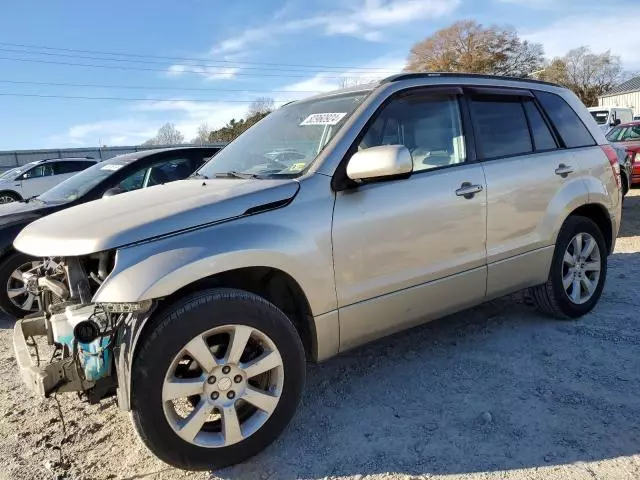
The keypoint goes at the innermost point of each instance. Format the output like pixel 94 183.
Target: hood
pixel 15 212
pixel 633 145
pixel 147 213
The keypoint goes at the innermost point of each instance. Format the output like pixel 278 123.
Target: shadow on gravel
pixel 499 387
pixel 6 322
pixel 630 226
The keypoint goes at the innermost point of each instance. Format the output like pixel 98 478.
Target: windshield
pixel 14 172
pixel 76 186
pixel 600 116
pixel 624 134
pixel 8 173
pixel 287 140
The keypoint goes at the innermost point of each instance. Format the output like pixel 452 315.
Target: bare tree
pixel 588 74
pixel 261 106
pixel 168 134
pixel 202 135
pixel 468 46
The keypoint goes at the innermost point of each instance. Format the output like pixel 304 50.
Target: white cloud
pixel 531 3
pixel 366 20
pixel 327 81
pixel 123 131
pixel 210 73
pixel 600 33
pixel 188 115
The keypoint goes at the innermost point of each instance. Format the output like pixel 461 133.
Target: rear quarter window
pixel 571 129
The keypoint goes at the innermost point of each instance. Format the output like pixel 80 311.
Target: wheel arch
pixel 600 216
pixel 12 192
pixel 272 284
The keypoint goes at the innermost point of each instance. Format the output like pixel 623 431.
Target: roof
pixel 71 159
pixel 628 86
pixel 128 157
pixel 629 124
pixel 407 76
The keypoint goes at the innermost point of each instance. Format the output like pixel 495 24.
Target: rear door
pixel 65 169
pixel 530 180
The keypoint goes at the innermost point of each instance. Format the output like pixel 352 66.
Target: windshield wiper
pixel 35 197
pixel 198 175
pixel 234 174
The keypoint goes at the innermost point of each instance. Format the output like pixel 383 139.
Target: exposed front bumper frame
pixel 59 376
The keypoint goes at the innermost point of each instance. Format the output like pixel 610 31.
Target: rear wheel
pixel 216 380
pixel 578 271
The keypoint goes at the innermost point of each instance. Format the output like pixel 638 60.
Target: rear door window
pixel 61 168
pixel 501 126
pixel 571 129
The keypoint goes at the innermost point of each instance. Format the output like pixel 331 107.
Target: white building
pixel 626 94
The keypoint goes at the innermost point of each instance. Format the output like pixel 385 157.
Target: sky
pixel 131 66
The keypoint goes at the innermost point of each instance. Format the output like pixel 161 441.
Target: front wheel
pixel 17 297
pixel 217 378
pixel 578 271
pixel 9 197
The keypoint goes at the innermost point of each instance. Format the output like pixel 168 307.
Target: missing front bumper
pixel 58 376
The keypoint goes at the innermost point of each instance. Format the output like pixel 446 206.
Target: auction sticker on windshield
pixel 112 167
pixel 323 118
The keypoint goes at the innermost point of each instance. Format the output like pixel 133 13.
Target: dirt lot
pixel 495 392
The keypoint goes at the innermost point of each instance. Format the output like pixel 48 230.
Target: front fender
pixel 159 268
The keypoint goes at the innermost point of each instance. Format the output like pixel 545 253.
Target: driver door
pixel 409 250
pixel 37 180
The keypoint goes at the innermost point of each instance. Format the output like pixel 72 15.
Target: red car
pixel 627 136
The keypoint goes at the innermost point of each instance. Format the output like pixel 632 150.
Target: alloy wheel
pixel 581 268
pixel 223 386
pixel 19 292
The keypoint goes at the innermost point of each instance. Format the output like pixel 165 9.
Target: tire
pixel 179 326
pixel 10 304
pixel 8 197
pixel 552 298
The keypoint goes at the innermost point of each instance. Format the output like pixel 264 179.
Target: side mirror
pixel 380 162
pixel 616 122
pixel 112 191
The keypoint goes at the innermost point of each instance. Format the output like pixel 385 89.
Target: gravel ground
pixel 494 392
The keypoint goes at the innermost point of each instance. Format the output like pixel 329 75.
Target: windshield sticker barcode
pixel 323 118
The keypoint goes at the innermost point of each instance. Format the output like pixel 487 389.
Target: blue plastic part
pixel 94 357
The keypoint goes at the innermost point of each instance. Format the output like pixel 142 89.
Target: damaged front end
pixel 87 338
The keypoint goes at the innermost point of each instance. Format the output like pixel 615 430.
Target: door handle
pixel 468 190
pixel 564 170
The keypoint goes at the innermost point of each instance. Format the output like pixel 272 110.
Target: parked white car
pixel 609 117
pixel 37 177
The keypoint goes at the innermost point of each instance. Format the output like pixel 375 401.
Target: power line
pixel 81 97
pixel 120 67
pixel 144 87
pixel 193 65
pixel 137 55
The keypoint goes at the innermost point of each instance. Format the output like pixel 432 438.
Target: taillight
pixel 611 154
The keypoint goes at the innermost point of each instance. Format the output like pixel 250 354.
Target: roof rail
pixel 72 157
pixel 407 76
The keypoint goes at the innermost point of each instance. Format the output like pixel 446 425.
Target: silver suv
pixel 334 221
